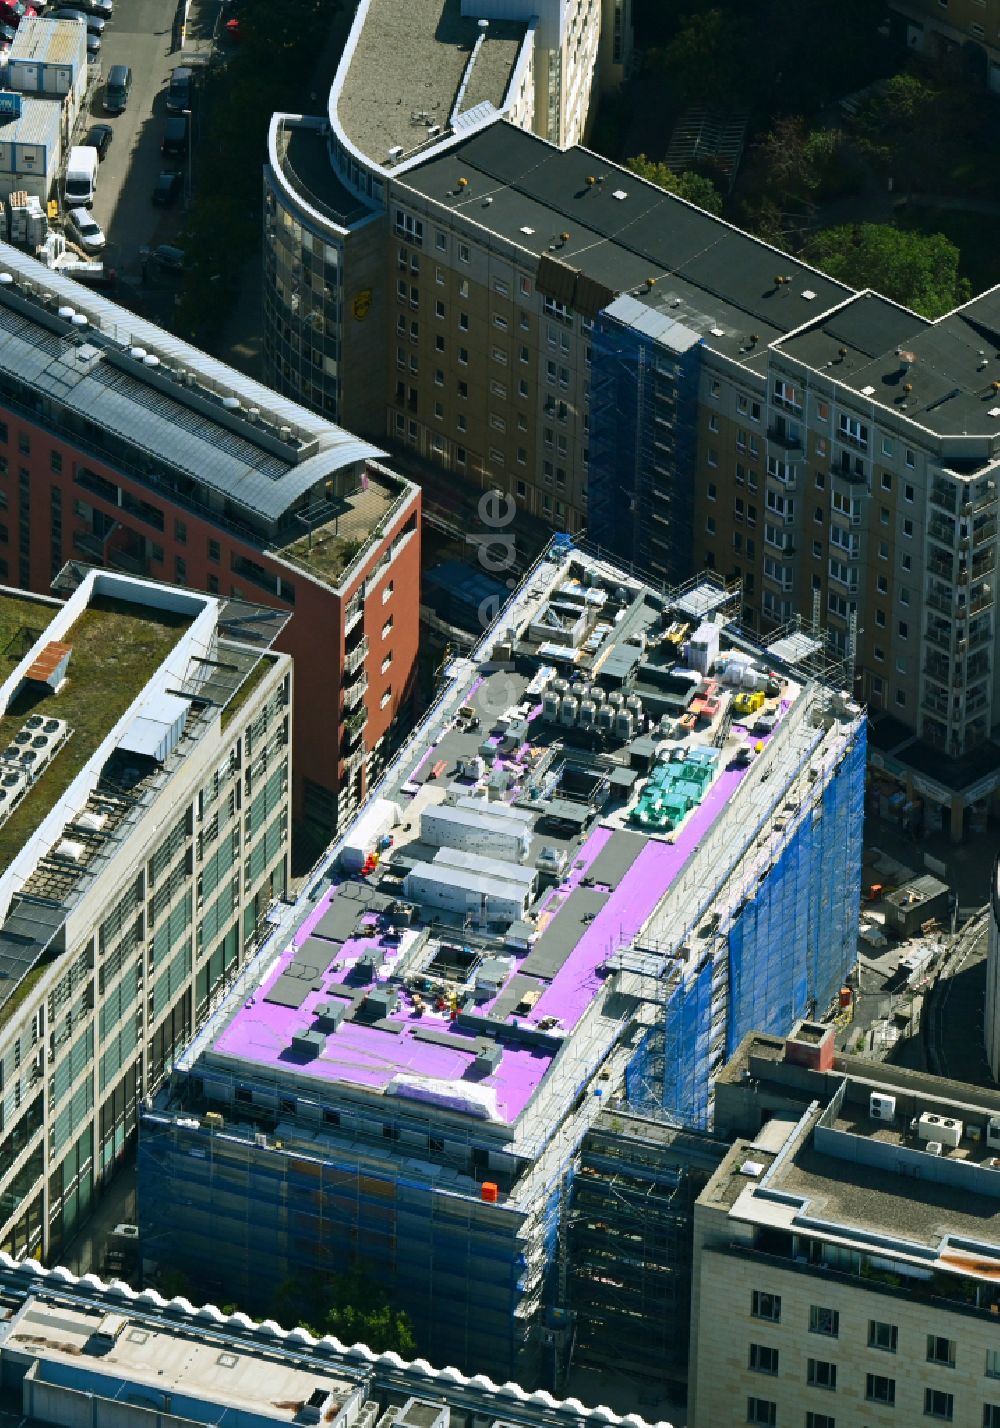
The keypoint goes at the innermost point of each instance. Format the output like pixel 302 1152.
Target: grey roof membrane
pixel 615 858
pixel 563 932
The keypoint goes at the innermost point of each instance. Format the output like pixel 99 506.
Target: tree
pixel 350 1306
pixel 918 270
pixel 702 63
pixel 691 186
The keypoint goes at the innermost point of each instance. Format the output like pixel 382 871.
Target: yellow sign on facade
pixel 361 304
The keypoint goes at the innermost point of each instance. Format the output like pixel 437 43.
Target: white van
pixel 80 183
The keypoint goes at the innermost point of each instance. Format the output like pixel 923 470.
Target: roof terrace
pixel 338 527
pixel 413 67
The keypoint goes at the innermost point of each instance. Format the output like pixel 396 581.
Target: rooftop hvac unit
pixel 993 1132
pixel 882 1108
pixel 946 1129
pixel 934 1147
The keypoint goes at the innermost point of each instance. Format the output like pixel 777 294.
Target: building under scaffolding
pixel 525 922
pixel 628 1238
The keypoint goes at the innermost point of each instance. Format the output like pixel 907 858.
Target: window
pixel 24 443
pixel 712 456
pixel 765 1306
pixel 940 1351
pixel 820 1373
pixel 763 1359
pixel 387 695
pixel 214 550
pixel 820 1420
pixel 709 525
pixel 463 356
pixel 762 1412
pixel 907 493
pixel 880 619
pixel 440 242
pixel 883 515
pixel 886 446
pixel 711 491
pixel 55 460
pixel 742 404
pixel 879 1389
pixel 904 595
pixel 938 1404
pixel 387 593
pixel 991 1415
pixel 463 321
pixel 439 343
pixel 180 532
pixel 910 458
pixel 992 1369
pixel 824 1321
pixel 499 321
pixel 464 256
pixel 882 585
pixel 901 697
pixel 713 422
pixel 904 634
pixel 823 411
pixel 905 562
pixel 886 481
pixel 386 628
pixel 908 528
pixel 879 654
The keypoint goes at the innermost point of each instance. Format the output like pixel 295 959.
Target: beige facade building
pixel 847 1250
pixel 946 28
pixel 144 837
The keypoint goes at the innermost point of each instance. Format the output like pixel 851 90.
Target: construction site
pixel 478 1054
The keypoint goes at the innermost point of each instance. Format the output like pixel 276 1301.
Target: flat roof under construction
pixel 391 980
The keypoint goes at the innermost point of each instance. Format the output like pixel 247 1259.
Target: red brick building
pixel 122 446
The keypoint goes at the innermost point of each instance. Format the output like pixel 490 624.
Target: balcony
pixel 982 600
pixel 90 547
pixel 355 691
pixel 355 723
pixel 355 656
pixel 942 530
pixel 124 560
pixel 936 704
pixel 983 563
pixel 851 476
pixel 938 636
pixel 940 565
pixel 354 612
pixel 354 761
pixel 780 433
pixel 941 601
pixel 945 498
pixel 938 669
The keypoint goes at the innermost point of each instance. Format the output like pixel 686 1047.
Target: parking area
pixel 152 39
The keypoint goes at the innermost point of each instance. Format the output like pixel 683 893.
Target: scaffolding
pixel 629 1244
pixel 643 417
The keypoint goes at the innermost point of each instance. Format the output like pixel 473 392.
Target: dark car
pixel 175 136
pixel 179 92
pixel 166 256
pixel 99 137
pixel 166 188
pixel 116 90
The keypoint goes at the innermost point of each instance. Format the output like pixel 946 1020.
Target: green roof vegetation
pixel 328 549
pixel 116 648
pixel 23 989
pixel 260 669
pixel 22 619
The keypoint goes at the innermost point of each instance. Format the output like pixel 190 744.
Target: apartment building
pixel 330 254
pixel 132 1358
pixel 559 894
pixel 944 29
pixel 846 1250
pixel 616 360
pixel 122 446
pixel 144 835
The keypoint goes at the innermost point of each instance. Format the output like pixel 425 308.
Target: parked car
pixel 94 23
pixel 175 136
pixel 165 255
pixel 166 188
pixel 84 230
pixel 99 137
pixel 179 92
pixel 117 89
pixel 104 8
pixel 7 34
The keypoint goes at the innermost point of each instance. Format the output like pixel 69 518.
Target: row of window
pixel 763 1412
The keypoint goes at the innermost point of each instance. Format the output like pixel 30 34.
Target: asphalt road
pixel 145 35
